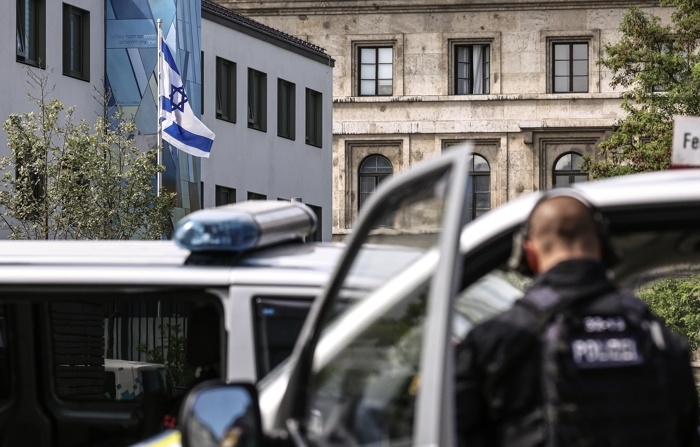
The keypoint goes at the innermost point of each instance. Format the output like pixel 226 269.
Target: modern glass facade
pixel 131 64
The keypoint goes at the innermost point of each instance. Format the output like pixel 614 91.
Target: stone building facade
pixel 519 78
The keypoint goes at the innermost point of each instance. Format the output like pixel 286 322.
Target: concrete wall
pixel 520 128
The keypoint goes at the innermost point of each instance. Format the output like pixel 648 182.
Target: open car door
pixel 382 377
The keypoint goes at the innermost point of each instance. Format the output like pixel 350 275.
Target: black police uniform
pixel 499 406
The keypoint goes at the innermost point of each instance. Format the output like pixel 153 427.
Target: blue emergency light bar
pixel 244 226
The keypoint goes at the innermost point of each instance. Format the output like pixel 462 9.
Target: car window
pixel 422 210
pixel 366 394
pixel 103 367
pixel 278 322
pixel 490 295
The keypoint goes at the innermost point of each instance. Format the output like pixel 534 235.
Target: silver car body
pixel 655 223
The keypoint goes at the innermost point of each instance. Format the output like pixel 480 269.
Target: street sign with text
pixel 686 141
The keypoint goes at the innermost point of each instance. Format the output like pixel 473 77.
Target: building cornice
pixel 276 8
pixel 226 17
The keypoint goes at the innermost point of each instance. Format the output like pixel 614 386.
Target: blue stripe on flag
pixel 165 104
pixel 188 138
pixel 168 57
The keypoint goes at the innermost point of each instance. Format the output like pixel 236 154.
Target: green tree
pixel 658 66
pixel 65 179
pixel 677 302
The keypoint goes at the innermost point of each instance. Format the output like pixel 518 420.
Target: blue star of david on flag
pixel 179 125
pixel 174 103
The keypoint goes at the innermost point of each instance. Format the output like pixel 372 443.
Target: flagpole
pixel 159 176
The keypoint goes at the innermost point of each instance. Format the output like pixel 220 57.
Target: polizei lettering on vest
pixel 614 351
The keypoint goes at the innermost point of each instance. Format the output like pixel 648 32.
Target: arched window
pixel 373 170
pixel 567 170
pixel 479 200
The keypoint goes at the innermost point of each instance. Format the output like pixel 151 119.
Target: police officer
pixel 510 389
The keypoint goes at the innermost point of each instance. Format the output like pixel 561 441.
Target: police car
pixel 100 340
pixel 381 372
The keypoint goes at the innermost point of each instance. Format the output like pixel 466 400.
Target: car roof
pixel 642 193
pixel 151 253
pixel 148 263
pixel 661 187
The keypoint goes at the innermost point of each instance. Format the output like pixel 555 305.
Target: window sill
pixel 77 76
pixel 465 98
pixel 31 63
pixel 259 129
pixel 223 118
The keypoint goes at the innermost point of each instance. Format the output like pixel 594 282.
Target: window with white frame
pixel 472 69
pixel 569 67
pixel 31 35
pixel 375 71
pixel 567 170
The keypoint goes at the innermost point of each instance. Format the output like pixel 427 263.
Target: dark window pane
pixel 367 184
pixel 462 87
pixel 482 183
pixel 373 170
pixel 483 200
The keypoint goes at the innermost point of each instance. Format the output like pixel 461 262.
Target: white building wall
pixel 250 160
pixel 70 91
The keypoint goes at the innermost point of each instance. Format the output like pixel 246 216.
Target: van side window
pixel 111 366
pixel 278 322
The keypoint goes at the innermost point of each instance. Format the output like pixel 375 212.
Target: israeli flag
pixel 180 126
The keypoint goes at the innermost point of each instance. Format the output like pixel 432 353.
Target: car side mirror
pixel 221 415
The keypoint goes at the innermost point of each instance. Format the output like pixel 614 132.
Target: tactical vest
pixel 604 371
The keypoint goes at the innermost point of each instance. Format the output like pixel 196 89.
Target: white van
pixel 100 340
